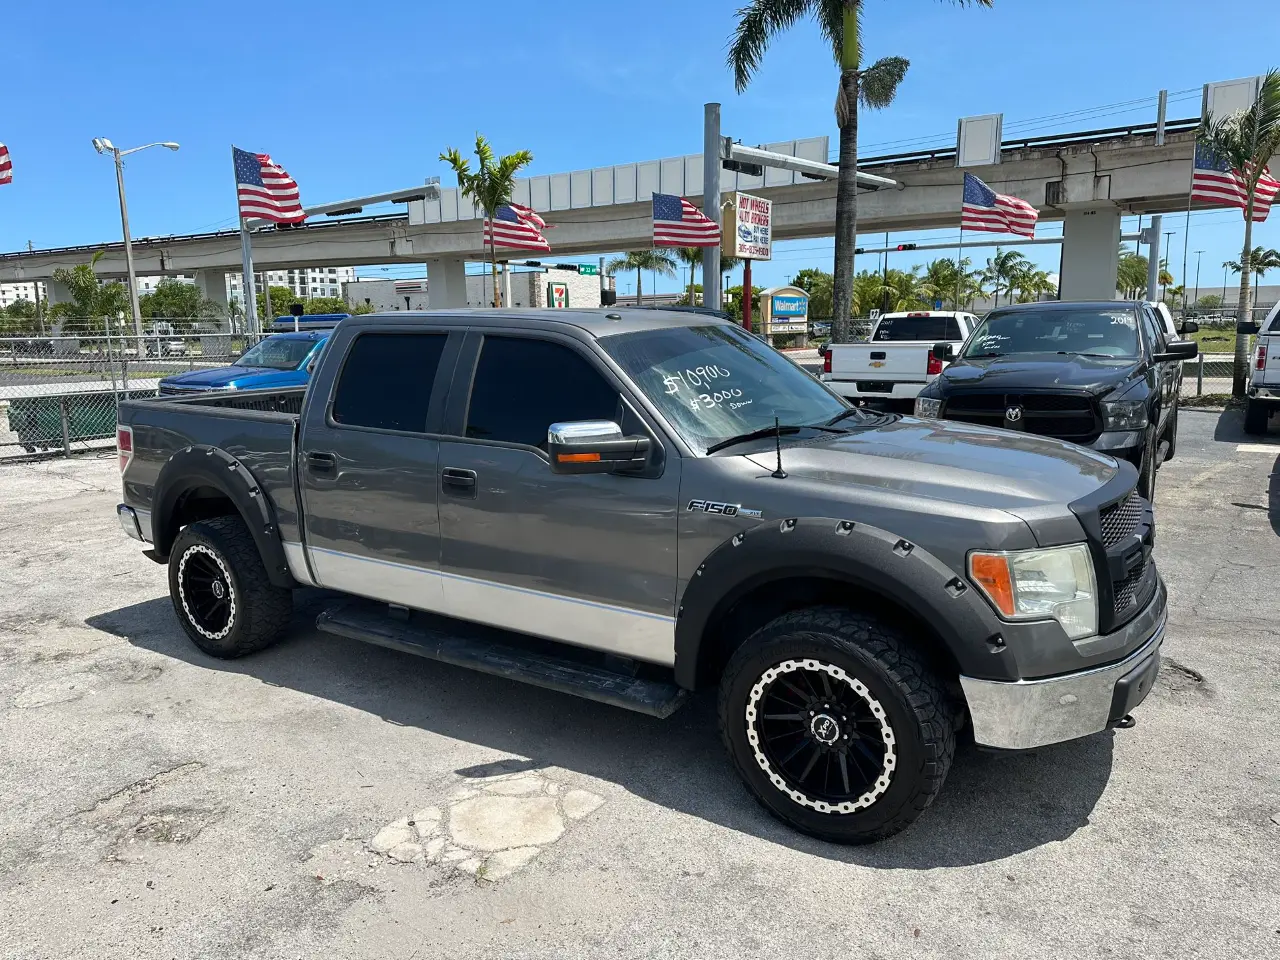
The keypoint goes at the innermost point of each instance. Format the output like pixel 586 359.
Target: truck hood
pixel 1091 375
pixel 215 377
pixel 953 462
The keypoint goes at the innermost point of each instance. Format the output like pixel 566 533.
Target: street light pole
pixel 103 145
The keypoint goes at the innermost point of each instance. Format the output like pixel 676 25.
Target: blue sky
pixel 361 99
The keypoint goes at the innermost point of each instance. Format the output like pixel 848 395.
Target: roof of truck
pixel 598 321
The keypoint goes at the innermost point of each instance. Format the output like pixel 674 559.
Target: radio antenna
pixel 778 474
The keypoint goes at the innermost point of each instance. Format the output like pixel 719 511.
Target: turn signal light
pixel 991 571
pixel 934 366
pixel 124 445
pixel 1261 362
pixel 578 457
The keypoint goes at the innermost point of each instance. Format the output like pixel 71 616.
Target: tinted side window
pixel 953 329
pixel 387 379
pixel 522 386
pixel 1151 327
pixel 911 328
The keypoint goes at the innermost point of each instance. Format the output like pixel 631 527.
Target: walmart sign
pixel 783 306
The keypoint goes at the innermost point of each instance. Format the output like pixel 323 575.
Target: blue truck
pixel 276 363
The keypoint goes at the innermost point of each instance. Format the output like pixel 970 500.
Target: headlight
pixel 1124 415
pixel 1038 584
pixel 928 407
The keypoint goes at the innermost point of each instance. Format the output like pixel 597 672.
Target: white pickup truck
pixel 1264 373
pixel 891 368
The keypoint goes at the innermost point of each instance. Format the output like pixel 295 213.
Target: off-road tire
pixel 1171 432
pixel 1255 417
pixel 258 611
pixel 914 702
pixel 1148 466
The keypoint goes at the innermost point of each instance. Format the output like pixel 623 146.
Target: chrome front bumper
pixel 135 523
pixel 1034 713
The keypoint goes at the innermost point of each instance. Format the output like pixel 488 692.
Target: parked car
pixel 1102 374
pixel 612 489
pixel 1263 391
pixel 279 361
pixel 891 368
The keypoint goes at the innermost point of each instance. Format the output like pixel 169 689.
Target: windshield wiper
pixel 786 429
pixel 980 356
pixel 1077 353
pixel 844 413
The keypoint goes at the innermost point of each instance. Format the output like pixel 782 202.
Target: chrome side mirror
pixel 593 446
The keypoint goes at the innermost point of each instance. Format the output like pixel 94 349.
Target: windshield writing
pixel 1098 333
pixel 716 382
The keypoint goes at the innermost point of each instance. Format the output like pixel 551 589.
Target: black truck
pixel 1103 374
pixel 630 504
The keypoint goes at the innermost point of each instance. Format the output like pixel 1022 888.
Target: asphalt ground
pixel 326 798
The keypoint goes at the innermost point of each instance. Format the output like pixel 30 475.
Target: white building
pixel 305 282
pixel 32 290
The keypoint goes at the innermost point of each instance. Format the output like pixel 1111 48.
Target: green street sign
pixel 588 270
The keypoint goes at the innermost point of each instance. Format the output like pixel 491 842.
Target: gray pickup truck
pixel 629 505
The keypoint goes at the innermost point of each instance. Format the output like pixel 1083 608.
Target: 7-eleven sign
pixel 558 296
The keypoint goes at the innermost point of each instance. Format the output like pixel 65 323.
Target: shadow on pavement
pixel 991 807
pixel 1230 428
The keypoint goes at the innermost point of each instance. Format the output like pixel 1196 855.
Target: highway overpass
pixel 1088 180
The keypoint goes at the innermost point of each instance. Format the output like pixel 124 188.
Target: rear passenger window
pixel 522 386
pixel 386 381
pixel 953 329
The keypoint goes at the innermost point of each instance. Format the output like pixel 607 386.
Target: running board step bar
pixel 371 623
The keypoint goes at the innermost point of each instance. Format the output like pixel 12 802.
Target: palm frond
pixel 880 81
pixel 758 23
pixel 484 152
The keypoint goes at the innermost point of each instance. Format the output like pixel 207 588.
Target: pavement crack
pixel 119 799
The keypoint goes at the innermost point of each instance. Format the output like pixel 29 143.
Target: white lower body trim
pixel 584 623
pixel 295 557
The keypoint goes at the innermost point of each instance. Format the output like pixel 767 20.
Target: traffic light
pixel 906 246
pixel 858 250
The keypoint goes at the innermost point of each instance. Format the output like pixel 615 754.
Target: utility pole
pixel 128 248
pixel 711 201
pixel 1157 221
pixel 1164 287
pixel 746 294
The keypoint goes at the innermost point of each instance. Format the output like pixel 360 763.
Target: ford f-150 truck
pixel 630 504
pixel 898 360
pixel 1264 372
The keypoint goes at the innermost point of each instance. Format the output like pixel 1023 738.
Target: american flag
pixel 984 209
pixel 6 165
pixel 265 190
pixel 1213 181
pixel 518 227
pixel 678 223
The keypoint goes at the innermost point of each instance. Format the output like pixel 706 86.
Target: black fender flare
pixel 866 557
pixel 201 465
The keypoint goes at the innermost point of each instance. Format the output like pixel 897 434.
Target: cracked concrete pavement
pixel 328 798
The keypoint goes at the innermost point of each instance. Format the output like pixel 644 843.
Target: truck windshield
pixel 931 329
pixel 716 382
pixel 284 353
pixel 1083 331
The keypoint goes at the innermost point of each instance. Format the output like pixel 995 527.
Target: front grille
pixel 1064 416
pixel 1127 588
pixel 1120 519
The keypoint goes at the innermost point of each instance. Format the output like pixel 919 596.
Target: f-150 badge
pixel 723 509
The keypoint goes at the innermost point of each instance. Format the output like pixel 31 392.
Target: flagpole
pixel 1186 238
pixel 959 268
pixel 246 256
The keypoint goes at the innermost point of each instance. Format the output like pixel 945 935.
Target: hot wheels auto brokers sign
pixel 753 233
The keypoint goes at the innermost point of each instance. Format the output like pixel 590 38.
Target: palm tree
pixel 1032 284
pixel 904 290
pixel 488 187
pixel 1131 274
pixel 691 257
pixel 868 290
pixel 1247 141
pixel 1260 261
pixel 1003 269
pixel 659 261
pixel 840 22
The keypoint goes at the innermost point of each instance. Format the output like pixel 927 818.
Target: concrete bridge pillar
pixel 1090 252
pixel 446 283
pixel 212 285
pixel 57 292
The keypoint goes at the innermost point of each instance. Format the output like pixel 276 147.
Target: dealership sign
pixel 752 227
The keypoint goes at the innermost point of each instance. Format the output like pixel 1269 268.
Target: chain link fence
pixel 59 394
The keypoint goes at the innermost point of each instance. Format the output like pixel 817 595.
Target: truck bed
pixel 255 426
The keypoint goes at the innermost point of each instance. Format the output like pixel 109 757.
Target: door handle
pixel 459 482
pixel 321 462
